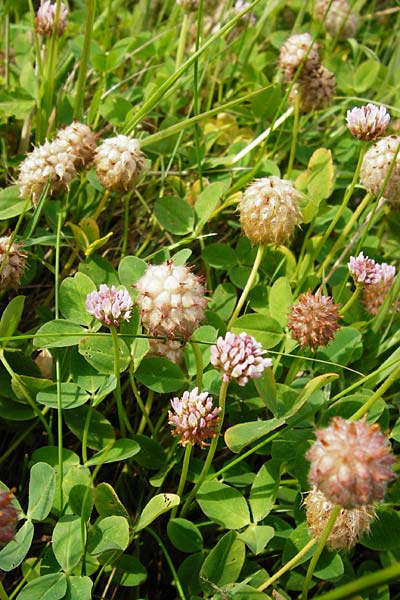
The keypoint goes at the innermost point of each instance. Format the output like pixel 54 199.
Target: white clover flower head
pixel 109 305
pixel 364 270
pixel 239 357
pixel 45 18
pixel 194 418
pixel 368 122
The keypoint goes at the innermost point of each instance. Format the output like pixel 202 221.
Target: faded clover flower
pixel 82 143
pixel 349 526
pixel 171 300
pixel 171 349
pixel 375 167
pixel 269 210
pixel 364 270
pixel 368 122
pixel 8 517
pixel 119 163
pixel 110 305
pixel 340 21
pixel 12 263
pixel 239 357
pixel 194 418
pixel 351 463
pixel 46 16
pixel 375 294
pixel 313 320
pixel 315 90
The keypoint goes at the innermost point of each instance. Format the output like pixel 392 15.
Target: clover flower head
pixel 368 122
pixel 375 294
pixel 194 418
pixel 45 18
pixel 12 263
pixel 241 5
pixel 239 357
pixel 8 517
pixel 351 462
pixel 109 305
pixel 364 270
pixel 380 160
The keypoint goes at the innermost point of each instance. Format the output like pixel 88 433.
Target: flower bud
pixel 194 418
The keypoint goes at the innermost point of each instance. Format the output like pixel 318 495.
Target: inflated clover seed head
pixel 12 263
pixel 375 293
pixel 51 163
pixel 194 418
pixel 351 463
pixel 171 349
pixel 239 357
pixel 349 526
pixel 8 517
pixel 315 90
pixel 340 21
pixel 46 17
pixel 110 305
pixel 119 163
pixel 298 50
pixel 82 142
pixel 313 320
pixel 375 167
pixel 368 122
pixel 171 300
pixel 269 210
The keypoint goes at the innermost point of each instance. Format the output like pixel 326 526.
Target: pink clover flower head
pixel 8 517
pixel 194 418
pixel 239 357
pixel 368 122
pixel 364 270
pixel 45 18
pixel 109 305
pixel 351 462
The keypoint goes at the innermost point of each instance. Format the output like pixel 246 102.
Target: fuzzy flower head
pixel 298 50
pixel 364 270
pixel 119 163
pixel 171 300
pixel 349 525
pixel 314 91
pixel 109 305
pixel 12 263
pixel 351 462
pixel 313 320
pixel 194 418
pixel 8 517
pixel 239 357
pixel 82 143
pixel 339 21
pixel 375 294
pixel 378 160
pixel 269 210
pixel 368 122
pixel 46 17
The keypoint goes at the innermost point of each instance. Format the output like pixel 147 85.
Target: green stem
pixel 342 237
pixel 147 409
pixel 85 434
pixel 122 417
pixel 182 40
pixel 126 226
pixel 58 369
pixel 82 76
pixel 139 400
pixel 248 286
pixel 3 593
pixel 169 562
pixel 351 300
pixel 318 551
pixel 199 363
pixel 291 563
pixel 182 480
pixel 26 395
pixel 379 392
pixel 101 205
pixel 211 450
pixel 295 132
pixel 353 589
pixel 346 199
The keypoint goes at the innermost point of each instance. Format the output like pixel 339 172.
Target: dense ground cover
pixel 190 212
